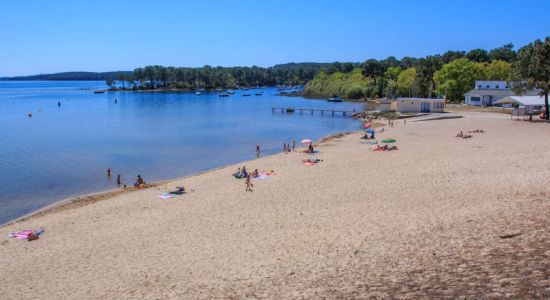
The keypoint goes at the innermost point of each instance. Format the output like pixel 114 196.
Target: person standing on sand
pixel 257 150
pixel 284 147
pixel 293 145
pixel 249 184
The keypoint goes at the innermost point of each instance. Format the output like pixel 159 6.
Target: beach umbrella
pixel 389 140
pixel 367 125
pixel 306 141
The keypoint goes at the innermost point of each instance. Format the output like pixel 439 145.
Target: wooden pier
pixel 311 111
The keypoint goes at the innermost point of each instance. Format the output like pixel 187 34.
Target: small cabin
pixel 419 105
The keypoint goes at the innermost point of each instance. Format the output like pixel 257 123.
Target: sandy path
pixel 423 221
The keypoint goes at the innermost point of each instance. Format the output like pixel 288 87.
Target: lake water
pixel 64 151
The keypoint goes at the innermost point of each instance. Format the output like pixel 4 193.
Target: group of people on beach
pixel 288 148
pixel 243 173
pixel 139 181
pixel 463 136
pixel 467 136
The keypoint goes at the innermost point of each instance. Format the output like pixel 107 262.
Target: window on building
pixel 487 86
pixel 497 87
pixel 479 86
pixel 475 99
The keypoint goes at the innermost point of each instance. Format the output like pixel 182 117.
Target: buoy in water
pixel 29 114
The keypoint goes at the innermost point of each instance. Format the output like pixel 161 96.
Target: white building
pixel 426 105
pixel 533 102
pixel 487 92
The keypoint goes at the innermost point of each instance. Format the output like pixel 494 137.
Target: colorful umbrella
pixel 306 141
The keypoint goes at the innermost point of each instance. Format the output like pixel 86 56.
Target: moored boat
pixel 335 99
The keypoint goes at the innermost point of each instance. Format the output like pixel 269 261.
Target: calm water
pixel 64 151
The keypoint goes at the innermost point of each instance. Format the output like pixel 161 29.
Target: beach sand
pixel 441 217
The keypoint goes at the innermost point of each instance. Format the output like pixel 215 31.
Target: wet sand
pixel 440 217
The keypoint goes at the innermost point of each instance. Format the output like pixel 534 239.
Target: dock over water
pixel 311 111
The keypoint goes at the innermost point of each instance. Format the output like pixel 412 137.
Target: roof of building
pixel 490 92
pixel 421 99
pixel 522 100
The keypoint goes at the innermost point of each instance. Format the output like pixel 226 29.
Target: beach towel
pixel 309 163
pixel 313 153
pixel 166 196
pixel 26 234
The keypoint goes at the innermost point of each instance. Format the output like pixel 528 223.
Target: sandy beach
pixel 442 217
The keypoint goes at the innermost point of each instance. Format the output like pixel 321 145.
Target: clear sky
pixel 69 35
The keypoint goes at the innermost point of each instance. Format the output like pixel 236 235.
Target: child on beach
pixel 249 184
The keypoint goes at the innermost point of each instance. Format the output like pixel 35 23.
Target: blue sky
pixel 61 35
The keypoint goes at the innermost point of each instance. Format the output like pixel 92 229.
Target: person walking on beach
pixel 284 147
pixel 293 145
pixel 249 184
pixel 257 150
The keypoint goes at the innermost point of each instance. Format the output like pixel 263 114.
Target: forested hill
pixel 73 76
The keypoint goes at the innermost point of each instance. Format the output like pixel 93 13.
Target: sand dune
pixel 436 218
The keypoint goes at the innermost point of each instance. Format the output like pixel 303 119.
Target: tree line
pixel 208 77
pixel 450 74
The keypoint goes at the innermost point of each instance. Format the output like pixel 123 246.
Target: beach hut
pixel 417 105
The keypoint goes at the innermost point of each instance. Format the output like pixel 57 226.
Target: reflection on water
pixel 64 151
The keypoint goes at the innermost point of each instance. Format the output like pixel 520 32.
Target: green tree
pixel 406 82
pixel 390 77
pixel 505 53
pixel 373 68
pixel 425 70
pixel 456 78
pixel 449 56
pixel 478 55
pixel 498 70
pixel 533 67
